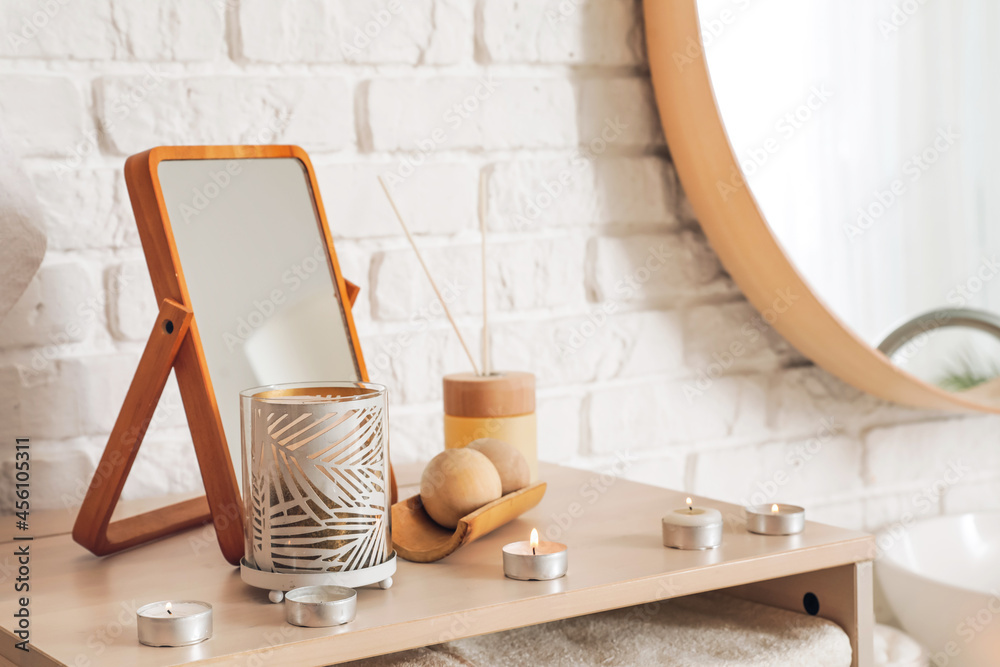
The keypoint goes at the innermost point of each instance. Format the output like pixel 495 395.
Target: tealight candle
pixel 174 623
pixel 776 519
pixel 320 606
pixel 534 560
pixel 692 528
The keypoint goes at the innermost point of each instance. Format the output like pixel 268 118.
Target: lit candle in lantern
pixel 692 528
pixel 535 560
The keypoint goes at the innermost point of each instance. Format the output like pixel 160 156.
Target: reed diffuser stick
pixel 427 271
pixel 486 321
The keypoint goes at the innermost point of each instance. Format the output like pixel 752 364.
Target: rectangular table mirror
pixel 243 265
pixel 263 281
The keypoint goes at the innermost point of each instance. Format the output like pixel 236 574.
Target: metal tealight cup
pixel 320 606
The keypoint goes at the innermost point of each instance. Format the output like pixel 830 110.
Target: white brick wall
pixel 111 30
pixel 33 101
pixel 412 32
pixel 151 108
pixel 525 194
pixel 490 112
pixel 584 32
pixel 601 282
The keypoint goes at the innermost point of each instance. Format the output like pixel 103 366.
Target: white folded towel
pixel 709 629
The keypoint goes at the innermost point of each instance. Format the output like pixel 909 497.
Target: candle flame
pixel 690 503
pixel 168 609
pixel 774 508
pixel 534 540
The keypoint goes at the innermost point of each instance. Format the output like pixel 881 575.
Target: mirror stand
pixel 169 347
pixel 275 183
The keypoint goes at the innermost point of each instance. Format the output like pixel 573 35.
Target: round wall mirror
pixel 841 153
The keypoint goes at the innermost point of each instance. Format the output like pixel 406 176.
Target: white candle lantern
pixel 316 486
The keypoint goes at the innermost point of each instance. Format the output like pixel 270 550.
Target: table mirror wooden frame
pixel 738 231
pixel 175 344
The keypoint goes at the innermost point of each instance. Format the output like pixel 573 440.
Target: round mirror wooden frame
pixel 735 225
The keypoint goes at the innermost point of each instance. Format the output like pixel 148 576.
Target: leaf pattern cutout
pixel 318 500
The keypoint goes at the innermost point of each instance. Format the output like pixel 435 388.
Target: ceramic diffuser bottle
pixel 500 405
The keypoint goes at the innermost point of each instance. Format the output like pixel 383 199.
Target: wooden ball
pixel 457 482
pixel 509 462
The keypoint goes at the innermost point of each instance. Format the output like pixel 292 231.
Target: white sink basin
pixel 941 577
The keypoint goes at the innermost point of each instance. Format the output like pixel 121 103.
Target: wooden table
pixel 83 607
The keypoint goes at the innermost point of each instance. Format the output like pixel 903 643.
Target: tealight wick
pixel 542 564
pixel 169 611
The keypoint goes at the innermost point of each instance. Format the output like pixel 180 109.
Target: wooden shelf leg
pixel 845 595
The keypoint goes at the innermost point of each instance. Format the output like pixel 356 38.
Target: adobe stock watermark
pixel 959 296
pixel 911 171
pixel 967 630
pixel 587 495
pixel 459 627
pixel 750 333
pixel 899 16
pixel 112 461
pixel 551 190
pixel 453 118
pixel 292 279
pixel 264 658
pixel 33 24
pixel 712 29
pixel 924 502
pixel 666 589
pixel 363 36
pixel 202 196
pixel 919 341
pixel 626 287
pixel 103 637
pixel 752 160
pixel 964 292
pixel 87 312
pixel 799 456
pixel 388 351
pixel 206 537
pixel 118 109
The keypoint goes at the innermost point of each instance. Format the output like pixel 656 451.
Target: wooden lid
pixel 502 394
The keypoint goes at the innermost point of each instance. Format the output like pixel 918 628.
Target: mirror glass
pixel 265 302
pixel 866 130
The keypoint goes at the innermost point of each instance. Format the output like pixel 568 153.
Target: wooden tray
pixel 416 537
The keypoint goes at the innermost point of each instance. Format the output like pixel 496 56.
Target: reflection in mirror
pixel 867 135
pixel 957 349
pixel 266 306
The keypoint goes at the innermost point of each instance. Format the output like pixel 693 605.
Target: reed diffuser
pixel 483 403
